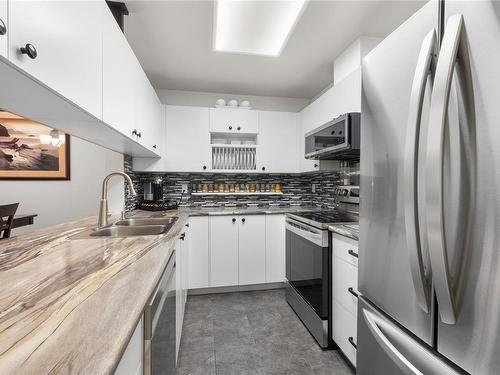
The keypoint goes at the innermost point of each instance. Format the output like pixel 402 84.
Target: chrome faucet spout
pixel 103 207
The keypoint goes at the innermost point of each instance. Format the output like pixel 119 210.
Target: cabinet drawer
pixel 345 276
pixel 346 249
pixel 345 328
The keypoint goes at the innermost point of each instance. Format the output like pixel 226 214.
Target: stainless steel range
pixel 309 267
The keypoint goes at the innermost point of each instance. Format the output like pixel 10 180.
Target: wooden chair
pixel 6 218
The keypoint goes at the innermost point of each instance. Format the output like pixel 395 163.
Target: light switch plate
pixel 184 188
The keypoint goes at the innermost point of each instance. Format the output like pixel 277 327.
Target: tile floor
pixel 250 333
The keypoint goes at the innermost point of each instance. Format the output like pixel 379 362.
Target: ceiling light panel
pixel 255 27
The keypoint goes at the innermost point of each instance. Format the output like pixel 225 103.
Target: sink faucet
pixel 103 207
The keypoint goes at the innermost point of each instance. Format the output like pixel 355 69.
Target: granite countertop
pixel 70 305
pixel 346 230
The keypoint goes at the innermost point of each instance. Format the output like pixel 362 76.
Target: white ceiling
pixel 173 41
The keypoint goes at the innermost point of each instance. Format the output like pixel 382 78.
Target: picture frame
pixel 32 151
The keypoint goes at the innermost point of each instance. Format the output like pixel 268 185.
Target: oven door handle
pixel 309 233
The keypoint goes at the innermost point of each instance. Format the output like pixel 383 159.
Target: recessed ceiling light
pixel 255 27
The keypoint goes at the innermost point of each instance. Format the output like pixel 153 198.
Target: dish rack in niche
pixel 231 157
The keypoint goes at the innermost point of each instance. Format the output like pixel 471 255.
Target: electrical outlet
pixel 313 188
pixel 184 188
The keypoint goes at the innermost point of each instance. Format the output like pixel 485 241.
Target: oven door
pixel 307 264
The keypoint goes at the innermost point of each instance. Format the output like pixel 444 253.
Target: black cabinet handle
pixel 3 28
pixel 243 220
pixel 315 165
pixel 204 167
pixel 230 128
pixel 263 168
pixel 351 340
pixel 351 290
pixel 139 134
pixel 187 225
pixel 134 132
pixel 154 146
pixel 30 50
pixel 183 236
pixel 238 128
pixel 351 252
pixel 234 220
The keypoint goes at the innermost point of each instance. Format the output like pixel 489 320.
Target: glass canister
pixel 278 188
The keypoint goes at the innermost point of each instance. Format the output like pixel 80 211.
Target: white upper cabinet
pixel 119 66
pixel 252 249
pixel 277 142
pixel 229 120
pixel 67 38
pixel 187 139
pixel 4 28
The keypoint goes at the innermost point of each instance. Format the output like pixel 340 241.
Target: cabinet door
pixel 275 248
pixel 345 332
pixel 198 252
pixel 246 121
pixel 223 251
pixel 188 139
pixel 178 297
pixel 252 249
pixel 185 266
pixel 222 120
pixel 277 142
pixel 4 24
pixel 132 359
pixel 119 67
pixel 67 36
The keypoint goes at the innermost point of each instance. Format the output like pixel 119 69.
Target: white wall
pixel 61 201
pixel 207 99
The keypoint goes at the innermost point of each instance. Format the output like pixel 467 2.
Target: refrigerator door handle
pixel 454 46
pixel 408 354
pixel 414 244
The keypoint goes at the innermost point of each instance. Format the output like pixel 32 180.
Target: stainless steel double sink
pixel 131 227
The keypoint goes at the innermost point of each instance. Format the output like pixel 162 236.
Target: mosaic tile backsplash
pixel 297 188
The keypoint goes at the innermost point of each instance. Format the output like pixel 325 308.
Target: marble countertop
pixel 346 230
pixel 71 305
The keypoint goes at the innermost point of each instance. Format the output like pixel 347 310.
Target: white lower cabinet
pixel 232 250
pixel 345 290
pixel 223 251
pixel 181 284
pixel 131 361
pixel 199 257
pixel 275 248
pixel 252 249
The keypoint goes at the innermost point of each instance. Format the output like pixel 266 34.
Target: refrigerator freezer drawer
pixel 345 332
pixel 386 349
pixel 346 285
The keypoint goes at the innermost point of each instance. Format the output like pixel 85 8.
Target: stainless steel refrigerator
pixel 429 262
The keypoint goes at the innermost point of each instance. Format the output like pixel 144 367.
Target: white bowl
pixel 245 103
pixel 220 102
pixel 233 103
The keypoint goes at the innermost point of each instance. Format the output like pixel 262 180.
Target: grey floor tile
pixel 251 333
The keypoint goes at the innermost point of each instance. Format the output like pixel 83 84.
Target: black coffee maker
pixel 152 199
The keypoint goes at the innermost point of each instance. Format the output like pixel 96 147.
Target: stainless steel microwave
pixel 338 139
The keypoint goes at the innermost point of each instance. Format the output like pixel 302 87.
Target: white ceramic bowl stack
pixel 233 103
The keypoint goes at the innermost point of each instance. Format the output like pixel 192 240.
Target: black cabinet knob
pixel 243 220
pixel 230 128
pixel 134 132
pixel 139 135
pixel 315 165
pixel 234 220
pixel 238 128
pixel 263 168
pixel 204 167
pixel 183 236
pixel 187 225
pixel 30 50
pixel 154 146
pixel 3 28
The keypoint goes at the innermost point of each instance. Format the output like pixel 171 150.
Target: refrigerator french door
pixel 429 266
